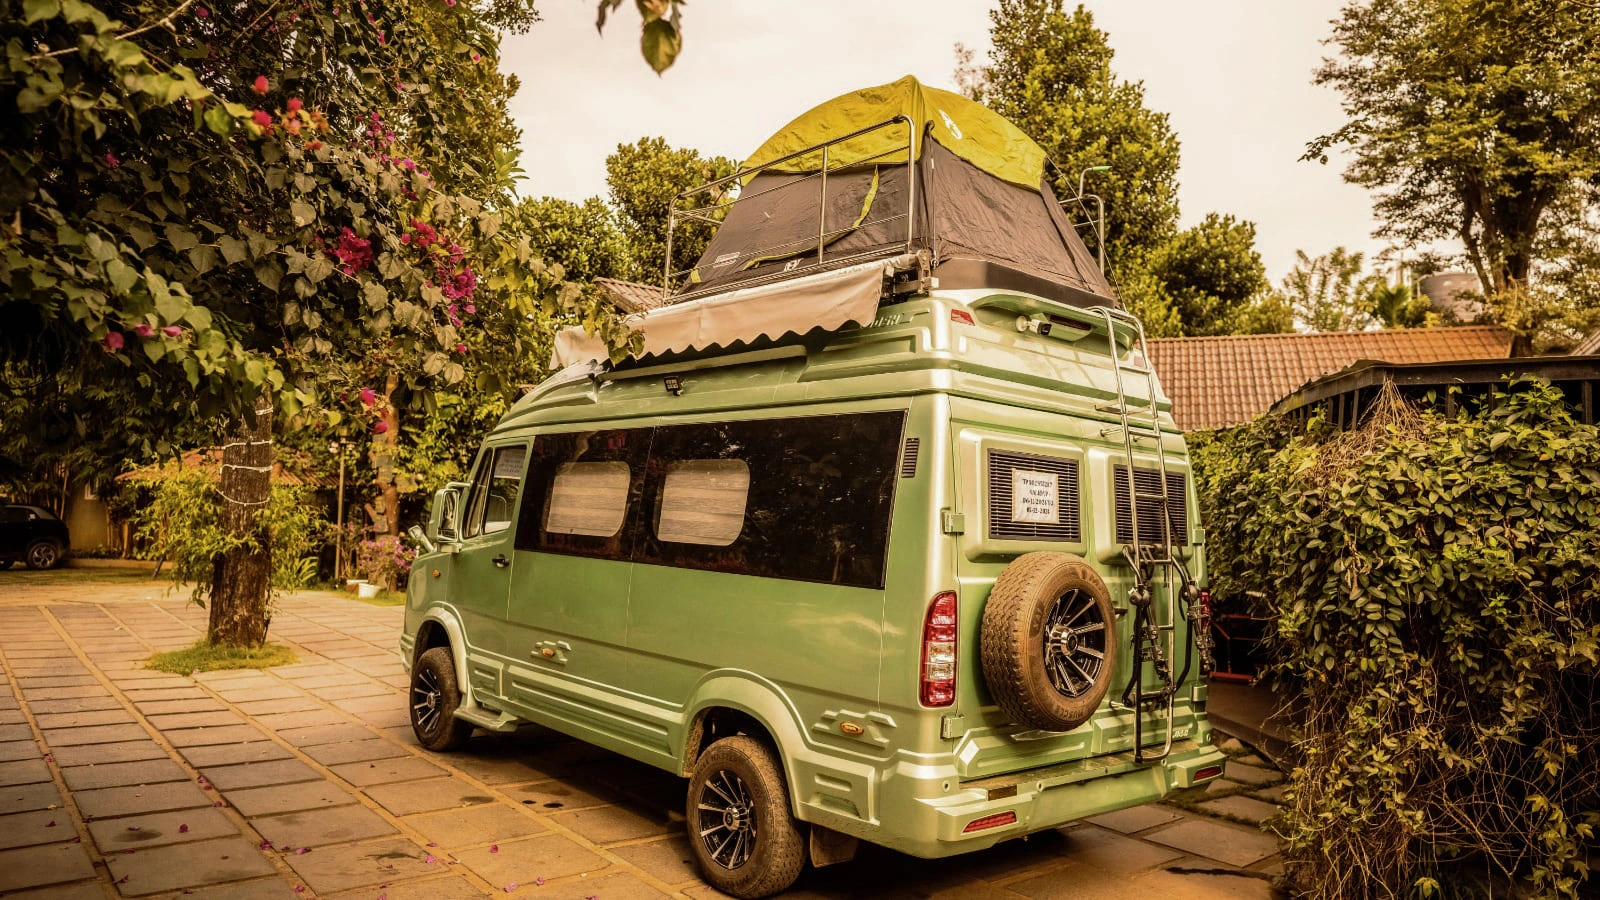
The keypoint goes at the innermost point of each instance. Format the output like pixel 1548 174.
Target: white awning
pixel 827 300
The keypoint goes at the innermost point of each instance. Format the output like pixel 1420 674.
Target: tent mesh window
pixel 1068 526
pixel 1149 482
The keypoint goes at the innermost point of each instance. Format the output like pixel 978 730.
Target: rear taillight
pixel 939 652
pixel 994 821
pixel 1208 773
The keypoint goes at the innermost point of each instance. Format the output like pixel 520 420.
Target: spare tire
pixel 1049 644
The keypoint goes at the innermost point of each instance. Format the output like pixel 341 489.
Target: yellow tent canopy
pixel 965 127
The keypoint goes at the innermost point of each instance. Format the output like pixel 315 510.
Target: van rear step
pixel 999 787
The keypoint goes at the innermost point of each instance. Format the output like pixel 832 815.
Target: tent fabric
pixel 967 128
pixel 827 300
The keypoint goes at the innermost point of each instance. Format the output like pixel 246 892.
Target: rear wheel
pixel 43 555
pixel 744 838
pixel 434 698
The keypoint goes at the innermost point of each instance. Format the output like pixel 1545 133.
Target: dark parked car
pixel 33 535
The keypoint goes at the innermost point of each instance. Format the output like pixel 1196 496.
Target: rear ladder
pixel 1149 561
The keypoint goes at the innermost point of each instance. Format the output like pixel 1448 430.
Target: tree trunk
pixel 241 577
pixel 386 514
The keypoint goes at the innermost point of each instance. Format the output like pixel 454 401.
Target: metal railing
pixel 724 200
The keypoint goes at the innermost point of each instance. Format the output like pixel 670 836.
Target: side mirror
pixel 444 518
pixel 416 533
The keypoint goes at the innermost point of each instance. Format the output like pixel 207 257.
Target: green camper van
pixel 886 534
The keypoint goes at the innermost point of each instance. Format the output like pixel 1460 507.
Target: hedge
pixel 1432 585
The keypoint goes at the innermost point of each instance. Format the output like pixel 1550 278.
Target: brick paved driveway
pixel 305 781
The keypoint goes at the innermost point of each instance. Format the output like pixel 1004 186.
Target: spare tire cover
pixel 1049 644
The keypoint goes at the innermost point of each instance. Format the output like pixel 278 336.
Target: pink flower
pixel 494 848
pixel 461 348
pixel 111 159
pixel 113 340
pixel 354 252
pixel 368 396
pixel 511 887
pixel 143 330
pixel 202 12
pixel 261 117
pixel 295 104
pixel 380 427
pixel 471 310
pixel 476 56
pixel 172 331
pixel 261 85
pixel 183 829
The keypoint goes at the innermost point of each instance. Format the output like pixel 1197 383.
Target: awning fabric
pixel 965 127
pixel 826 300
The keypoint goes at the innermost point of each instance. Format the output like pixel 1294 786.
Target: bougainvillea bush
pixel 385 561
pixel 1434 584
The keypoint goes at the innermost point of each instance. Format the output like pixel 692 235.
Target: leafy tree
pixel 643 178
pixel 261 237
pixel 1475 120
pixel 585 239
pixel 1324 291
pixel 1395 305
pixel 1213 274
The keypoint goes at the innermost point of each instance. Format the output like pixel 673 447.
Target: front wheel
pixel 434 698
pixel 43 555
pixel 744 838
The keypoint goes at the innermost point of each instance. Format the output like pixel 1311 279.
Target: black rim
pixel 1075 643
pixel 727 820
pixel 427 701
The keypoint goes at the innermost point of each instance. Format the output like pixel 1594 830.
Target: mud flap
pixel 829 846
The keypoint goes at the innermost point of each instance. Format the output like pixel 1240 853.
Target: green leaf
pixel 302 212
pixel 38 10
pixel 204 258
pixel 122 276
pixel 318 267
pixel 219 120
pixel 180 238
pixel 233 249
pixel 660 43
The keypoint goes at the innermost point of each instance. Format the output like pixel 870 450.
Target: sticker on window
pixel 1035 497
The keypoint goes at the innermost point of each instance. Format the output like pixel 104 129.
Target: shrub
pixel 385 561
pixel 1433 585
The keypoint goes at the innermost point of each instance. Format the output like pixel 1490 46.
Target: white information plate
pixel 1035 497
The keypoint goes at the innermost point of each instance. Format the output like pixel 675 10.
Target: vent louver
pixel 1068 526
pixel 1149 482
pixel 908 462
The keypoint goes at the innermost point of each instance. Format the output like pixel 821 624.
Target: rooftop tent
pixel 893 169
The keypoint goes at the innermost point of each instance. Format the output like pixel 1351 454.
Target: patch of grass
pixel 203 657
pixel 17 575
pixel 384 598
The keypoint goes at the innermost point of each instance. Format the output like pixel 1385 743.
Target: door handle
pixel 501 561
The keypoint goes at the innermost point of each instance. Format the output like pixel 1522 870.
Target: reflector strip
pixel 995 821
pixel 1208 773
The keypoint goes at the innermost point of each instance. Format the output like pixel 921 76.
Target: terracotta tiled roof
pixel 210 459
pixel 1215 382
pixel 1589 347
pixel 631 296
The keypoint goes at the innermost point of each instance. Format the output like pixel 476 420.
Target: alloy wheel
pixel 727 820
pixel 427 701
pixel 42 556
pixel 1074 643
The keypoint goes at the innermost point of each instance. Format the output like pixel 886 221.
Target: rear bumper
pixel 921 817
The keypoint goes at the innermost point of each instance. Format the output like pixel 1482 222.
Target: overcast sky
pixel 1235 76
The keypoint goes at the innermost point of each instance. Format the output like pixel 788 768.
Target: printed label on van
pixel 1035 497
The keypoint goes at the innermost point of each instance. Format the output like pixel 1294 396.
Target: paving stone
pixel 205 757
pixel 118 716
pixel 25 797
pixel 1253 760
pixel 1245 809
pixel 79 704
pixel 223 734
pixel 12 717
pixel 554 795
pixel 93 734
pixel 411 797
pixel 15 733
pixel 1084 882
pixel 141 799
pixel 142 698
pixel 160 829
pixel 344 867
pixel 177 707
pixel 95 754
pixel 449 887
pixel 265 801
pixel 14 750
pixel 271 692
pixel 548 856
pixel 66 693
pixel 187 866
pixel 608 824
pixel 276 705
pixel 387 771
pixel 23 771
pixel 366 750
pixel 1232 844
pixel 363 689
pixel 1252 775
pixel 324 734
pixel 82 890
pixel 41 826
pixel 616 886
pixel 386 718
pixel 491 770
pixel 341 824
pixel 671 859
pixel 481 824
pixel 1138 818
pixel 28 867
pixel 150 771
pixel 1272 794
pixel 213 719
pixel 1107 850
pixel 301 718
pixel 34 678
pixel 261 774
pixel 1221 786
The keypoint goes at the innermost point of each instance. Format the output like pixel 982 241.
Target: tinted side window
pixel 494 491
pixel 581 488
pixel 818 499
pixel 10 515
